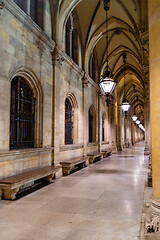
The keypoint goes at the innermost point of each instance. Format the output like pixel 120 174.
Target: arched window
pixel 68 122
pixel 68 37
pixel 34 10
pixel 102 128
pixel 22 115
pixel 22 4
pixel 71 40
pixel 90 126
pixel 30 7
pixel 92 67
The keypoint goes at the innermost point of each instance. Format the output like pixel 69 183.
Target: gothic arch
pixel 75 117
pixel 91 124
pixel 28 75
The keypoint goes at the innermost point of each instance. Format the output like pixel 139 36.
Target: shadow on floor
pixel 112 171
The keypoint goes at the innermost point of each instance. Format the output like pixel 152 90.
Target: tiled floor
pixel 101 202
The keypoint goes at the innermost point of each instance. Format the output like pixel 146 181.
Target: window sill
pixel 105 142
pixel 24 153
pixel 89 144
pixel 69 147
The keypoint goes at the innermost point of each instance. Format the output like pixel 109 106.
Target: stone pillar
pixel 28 7
pixel 132 133
pixel 147 122
pixel 153 221
pixel 119 130
pixel 99 122
pixel 84 105
pixel 129 131
pixel 71 42
pixel 55 104
pixel 113 125
pixel 125 130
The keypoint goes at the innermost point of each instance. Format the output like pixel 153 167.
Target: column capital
pixel 85 80
pixel 56 56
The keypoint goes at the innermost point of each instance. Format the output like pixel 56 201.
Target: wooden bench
pixel 70 164
pixel 94 156
pixel 106 152
pixel 10 186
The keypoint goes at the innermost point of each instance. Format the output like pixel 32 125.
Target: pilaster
pixel 113 125
pixel 119 137
pixel 153 218
pixel 147 121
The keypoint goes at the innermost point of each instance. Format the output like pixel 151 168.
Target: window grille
pixel 90 127
pixel 102 129
pixel 68 122
pixel 22 115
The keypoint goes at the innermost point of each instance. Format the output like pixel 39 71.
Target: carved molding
pixel 69 61
pixel 57 56
pixel 152 222
pixel 85 81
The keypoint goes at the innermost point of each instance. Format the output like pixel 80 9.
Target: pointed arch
pixel 91 124
pixel 32 80
pixel 71 119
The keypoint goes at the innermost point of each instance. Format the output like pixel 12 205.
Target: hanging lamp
pixel 125 105
pixel 107 84
pixel 137 122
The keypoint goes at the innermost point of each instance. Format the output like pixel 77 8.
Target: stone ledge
pixel 92 144
pixel 64 148
pixel 105 142
pixel 24 153
pixel 68 60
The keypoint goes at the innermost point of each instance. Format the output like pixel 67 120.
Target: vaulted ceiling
pixel 128 32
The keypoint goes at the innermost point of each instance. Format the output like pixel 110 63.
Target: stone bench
pixel 10 186
pixel 68 165
pixel 106 152
pixel 94 156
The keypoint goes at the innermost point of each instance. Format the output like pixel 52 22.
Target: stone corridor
pixel 101 202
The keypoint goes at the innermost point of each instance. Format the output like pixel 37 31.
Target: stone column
pixel 125 130
pixel 99 122
pixel 113 125
pixel 154 60
pixel 119 137
pixel 71 42
pixel 147 122
pixel 84 105
pixel 55 105
pixel 132 133
pixel 129 131
pixel 127 126
pixel 27 7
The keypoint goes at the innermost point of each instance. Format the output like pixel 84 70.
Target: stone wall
pixel 25 52
pixel 69 82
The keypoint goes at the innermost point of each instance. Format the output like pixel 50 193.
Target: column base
pixel 114 148
pixel 149 175
pixel 153 215
pixel 119 148
pixel 146 150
